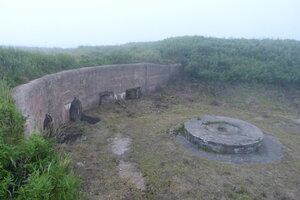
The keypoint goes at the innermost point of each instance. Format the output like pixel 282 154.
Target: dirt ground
pixel 128 155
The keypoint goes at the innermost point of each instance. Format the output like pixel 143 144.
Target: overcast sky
pixel 70 23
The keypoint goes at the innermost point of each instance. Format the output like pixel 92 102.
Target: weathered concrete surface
pixel 127 170
pixel 121 145
pixel 53 94
pixel 223 134
pixel 269 152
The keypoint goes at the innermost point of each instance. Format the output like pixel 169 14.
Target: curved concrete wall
pixel 53 94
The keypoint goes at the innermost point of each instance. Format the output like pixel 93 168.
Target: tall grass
pixel 267 61
pixel 11 121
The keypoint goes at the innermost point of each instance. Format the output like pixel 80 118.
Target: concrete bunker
pixel 52 94
pixel 133 93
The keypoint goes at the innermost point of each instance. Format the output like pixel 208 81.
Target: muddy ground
pixel 128 155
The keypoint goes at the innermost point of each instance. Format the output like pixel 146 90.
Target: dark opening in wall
pixel 76 113
pixel 48 125
pixel 75 110
pixel 105 97
pixel 133 93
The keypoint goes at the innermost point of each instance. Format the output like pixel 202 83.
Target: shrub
pixel 268 61
pixel 30 168
pixel 33 170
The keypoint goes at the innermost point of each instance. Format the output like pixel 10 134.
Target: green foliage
pixel 30 168
pixel 11 121
pixel 179 129
pixel 268 61
pixel 19 66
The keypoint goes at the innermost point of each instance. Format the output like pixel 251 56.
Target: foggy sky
pixel 70 23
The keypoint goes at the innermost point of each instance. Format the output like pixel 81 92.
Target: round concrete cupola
pixel 223 135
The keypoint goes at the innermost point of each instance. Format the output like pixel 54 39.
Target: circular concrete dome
pixel 223 134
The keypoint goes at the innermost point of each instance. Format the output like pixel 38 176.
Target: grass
pixel 267 61
pixel 170 172
pixel 179 129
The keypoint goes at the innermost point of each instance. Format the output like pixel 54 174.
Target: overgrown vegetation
pixel 30 168
pixel 268 61
pixel 11 122
pixel 19 66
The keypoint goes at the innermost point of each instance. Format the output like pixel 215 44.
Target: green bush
pixel 19 66
pixel 268 61
pixel 33 170
pixel 30 168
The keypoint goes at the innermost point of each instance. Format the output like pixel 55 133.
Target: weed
pixel 179 129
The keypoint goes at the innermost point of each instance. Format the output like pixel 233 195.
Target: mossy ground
pixel 169 171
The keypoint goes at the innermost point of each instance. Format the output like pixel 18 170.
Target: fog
pixel 69 23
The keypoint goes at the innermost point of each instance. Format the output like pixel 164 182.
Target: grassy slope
pixel 270 61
